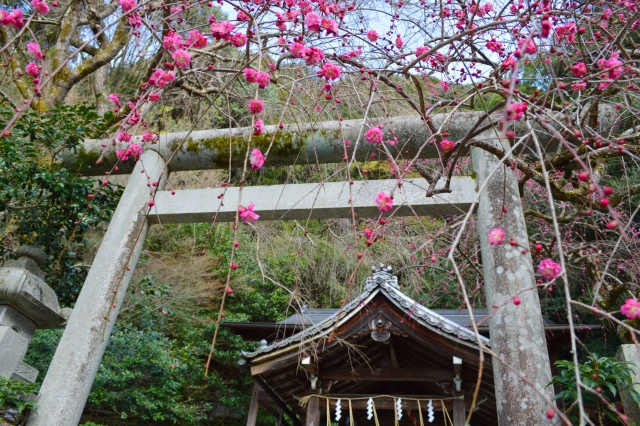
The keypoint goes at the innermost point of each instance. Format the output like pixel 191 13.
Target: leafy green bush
pixel 46 204
pixel 17 399
pixel 605 378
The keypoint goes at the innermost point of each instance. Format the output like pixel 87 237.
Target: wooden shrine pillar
pixel 517 333
pixel 459 415
pixel 313 412
pixel 253 407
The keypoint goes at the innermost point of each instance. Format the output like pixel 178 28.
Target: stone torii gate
pixel 517 335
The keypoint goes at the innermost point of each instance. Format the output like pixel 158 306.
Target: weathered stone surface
pixel 314 201
pixel 517 334
pixel 29 294
pixel 25 372
pixel 12 349
pixel 32 252
pixel 75 363
pixel 9 317
pixel 631 408
pixel 295 144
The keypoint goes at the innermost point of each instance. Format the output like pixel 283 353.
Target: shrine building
pixel 383 359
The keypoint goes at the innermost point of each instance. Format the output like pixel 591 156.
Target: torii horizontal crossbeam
pixel 311 201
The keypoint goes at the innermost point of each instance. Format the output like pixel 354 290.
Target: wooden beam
pixel 275 398
pixel 277 413
pixel 459 416
pixel 253 408
pixel 389 374
pixel 313 412
pixel 311 201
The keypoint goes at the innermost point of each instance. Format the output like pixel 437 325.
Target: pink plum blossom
pixel 132 150
pixel 196 40
pixel 114 98
pixel 243 17
pixel 549 269
pixel 247 214
pixel 13 19
pixel 250 75
pixel 330 71
pixel 147 137
pixel 40 7
pixel 579 69
pixel 578 86
pixel 372 35
pixel 374 135
pixel 312 21
pixel 32 69
pixel 263 80
pixel 124 137
pixel 509 63
pixel 258 127
pixel 135 21
pixel 516 111
pixel 631 309
pixel 297 50
pixel 239 39
pixel 222 30
pixel 182 58
pixel 160 78
pixel 399 41
pixel 256 159
pixel 545 28
pixel 34 50
pixel 312 55
pixel 128 5
pixel 496 236
pixel 495 46
pixel 154 97
pixel 446 145
pixel 384 202
pixel 612 65
pixel 330 26
pixel 530 47
pixel 256 106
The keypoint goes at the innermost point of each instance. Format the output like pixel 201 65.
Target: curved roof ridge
pixel 384 282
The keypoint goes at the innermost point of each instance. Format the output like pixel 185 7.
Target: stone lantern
pixel 27 303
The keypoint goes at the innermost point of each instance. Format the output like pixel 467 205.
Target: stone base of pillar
pixel 13 347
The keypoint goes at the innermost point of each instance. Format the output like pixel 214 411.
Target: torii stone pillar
pixel 517 333
pixel 68 381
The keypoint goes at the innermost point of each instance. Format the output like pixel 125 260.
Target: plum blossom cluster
pixel 256 159
pixel 254 76
pixel 13 19
pixel 374 135
pixel 631 309
pixel 134 151
pixel 248 214
pixel 496 236
pixel 384 202
pixel 549 269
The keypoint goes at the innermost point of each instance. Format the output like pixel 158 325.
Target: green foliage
pixel 153 366
pixel 17 399
pixel 604 378
pixel 46 204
